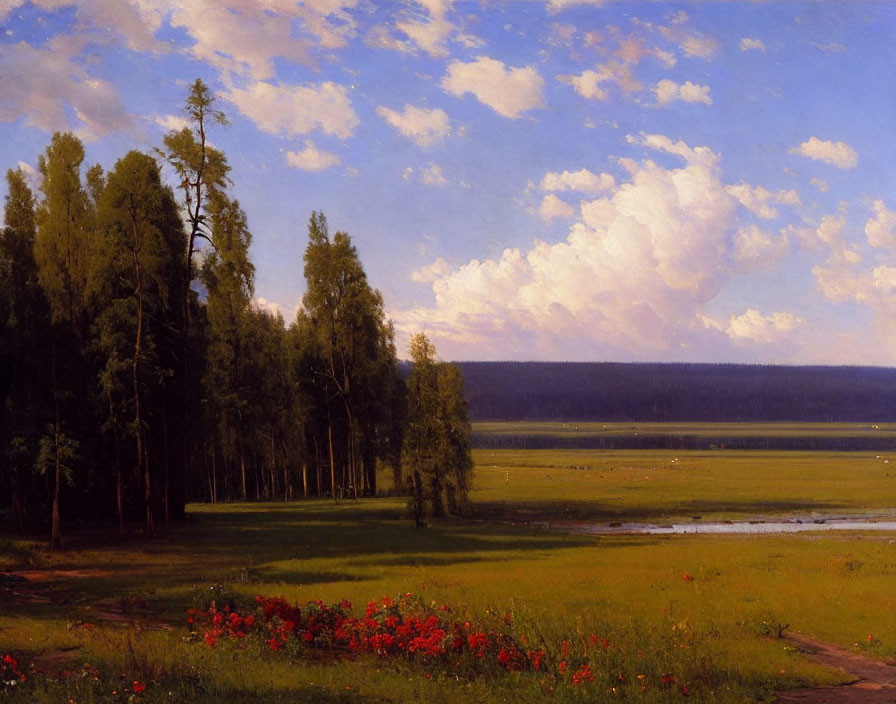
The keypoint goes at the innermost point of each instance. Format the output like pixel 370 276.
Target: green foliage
pixel 437 439
pixel 57 447
pixel 63 247
pixel 24 329
pixel 355 354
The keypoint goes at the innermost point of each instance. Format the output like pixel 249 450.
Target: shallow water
pixel 742 527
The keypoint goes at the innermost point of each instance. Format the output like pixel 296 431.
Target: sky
pixel 581 180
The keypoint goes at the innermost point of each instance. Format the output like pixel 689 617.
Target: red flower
pixel 138 687
pixel 582 675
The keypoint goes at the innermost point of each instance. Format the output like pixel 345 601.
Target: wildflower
pixel 687 577
pixel 138 687
pixel 582 675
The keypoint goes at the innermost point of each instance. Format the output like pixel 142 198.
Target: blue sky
pixel 554 179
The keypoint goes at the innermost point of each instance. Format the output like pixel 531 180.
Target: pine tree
pixel 24 328
pixel 437 438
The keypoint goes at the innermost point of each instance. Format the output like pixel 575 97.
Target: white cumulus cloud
pixel 552 207
pixel 667 91
pixel 508 91
pixel 753 326
pixel 433 175
pixel 830 230
pixel 559 5
pixel 171 122
pixel 428 274
pixel 692 45
pixel 425 26
pixel 747 44
pixel 630 278
pixel 423 126
pixel 756 249
pixel 881 229
pixel 291 110
pixel 42 84
pixel 837 154
pixel 245 37
pixel 759 200
pixel 311 158
pixel 583 181
pixel 589 84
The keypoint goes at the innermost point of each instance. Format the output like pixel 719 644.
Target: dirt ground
pixel 874 680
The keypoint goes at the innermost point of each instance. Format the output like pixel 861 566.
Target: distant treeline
pixel 566 391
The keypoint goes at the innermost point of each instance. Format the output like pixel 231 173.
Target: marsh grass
pixel 717 631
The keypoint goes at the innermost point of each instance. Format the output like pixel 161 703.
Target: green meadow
pixel 563 429
pixel 705 612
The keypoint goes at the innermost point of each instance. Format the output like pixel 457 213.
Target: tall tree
pixel 437 436
pixel 201 172
pixel 421 437
pixel 228 275
pixel 349 325
pixel 24 328
pixel 455 438
pixel 62 251
pixel 141 232
pixel 63 246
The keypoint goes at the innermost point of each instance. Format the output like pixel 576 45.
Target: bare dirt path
pixel 874 680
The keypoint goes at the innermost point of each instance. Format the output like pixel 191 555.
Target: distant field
pixel 785 436
pixel 659 485
pixel 850 430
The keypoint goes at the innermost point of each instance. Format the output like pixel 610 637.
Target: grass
pixel 782 429
pixel 556 586
pixel 664 486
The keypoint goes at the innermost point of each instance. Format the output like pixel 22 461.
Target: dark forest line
pixel 654 392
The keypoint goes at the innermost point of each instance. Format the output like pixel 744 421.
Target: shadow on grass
pixel 599 512
pixel 299 543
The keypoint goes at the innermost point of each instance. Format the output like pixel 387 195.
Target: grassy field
pixel 704 611
pixel 662 486
pixel 740 436
pixel 574 429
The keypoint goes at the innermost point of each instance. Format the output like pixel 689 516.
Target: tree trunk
pixel 138 420
pixel 55 528
pixel 332 462
pixel 418 499
pixel 214 476
pixel 165 457
pixel 118 483
pixel 242 466
pixel 318 467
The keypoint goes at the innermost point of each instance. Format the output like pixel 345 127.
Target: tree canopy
pixel 136 376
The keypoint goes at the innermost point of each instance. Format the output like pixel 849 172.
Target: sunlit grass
pixel 744 592
pixel 780 429
pixel 663 485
